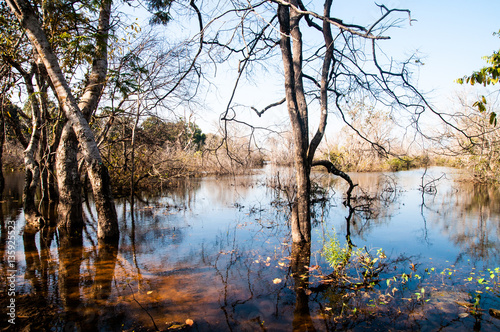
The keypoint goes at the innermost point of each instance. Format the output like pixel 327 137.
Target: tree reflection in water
pixel 58 279
pixel 218 251
pixel 300 262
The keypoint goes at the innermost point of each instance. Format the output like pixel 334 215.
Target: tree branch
pixel 330 167
pixel 338 23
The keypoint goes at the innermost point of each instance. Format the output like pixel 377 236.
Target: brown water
pixel 216 253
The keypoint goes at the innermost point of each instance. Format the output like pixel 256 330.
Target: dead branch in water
pixel 335 171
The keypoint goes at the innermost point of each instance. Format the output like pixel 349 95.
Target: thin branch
pixel 388 12
pixel 200 48
pixel 259 113
pixel 336 22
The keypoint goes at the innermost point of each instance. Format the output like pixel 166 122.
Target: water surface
pixel 216 252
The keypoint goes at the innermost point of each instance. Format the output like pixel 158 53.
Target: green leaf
pixel 493 118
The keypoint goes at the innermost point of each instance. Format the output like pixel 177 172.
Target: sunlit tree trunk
pixel 291 51
pixel 32 169
pixel 69 208
pixel 297 111
pixel 134 131
pixel 98 173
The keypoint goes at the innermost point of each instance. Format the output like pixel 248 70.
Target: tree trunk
pixel 301 257
pixel 297 111
pixel 132 156
pixel 98 173
pixel 69 209
pixel 47 151
pixel 32 169
pixel 2 141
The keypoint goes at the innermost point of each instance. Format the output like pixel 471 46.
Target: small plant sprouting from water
pixel 335 254
pixel 354 267
pixel 366 283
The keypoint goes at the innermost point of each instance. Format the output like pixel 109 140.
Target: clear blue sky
pixel 451 36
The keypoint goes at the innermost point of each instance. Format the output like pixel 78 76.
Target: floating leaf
pixel 276 280
pixel 463 315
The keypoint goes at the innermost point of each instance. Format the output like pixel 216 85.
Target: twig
pixel 140 305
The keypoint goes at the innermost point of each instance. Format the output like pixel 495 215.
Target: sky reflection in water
pixel 218 251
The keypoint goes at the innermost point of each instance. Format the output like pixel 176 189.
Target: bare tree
pixel 345 65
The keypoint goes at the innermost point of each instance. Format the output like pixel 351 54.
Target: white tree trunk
pixel 98 173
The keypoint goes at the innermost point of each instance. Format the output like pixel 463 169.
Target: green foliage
pixel 407 162
pixel 335 254
pixel 160 10
pixel 398 164
pixel 184 134
pixel 357 268
pixel 488 75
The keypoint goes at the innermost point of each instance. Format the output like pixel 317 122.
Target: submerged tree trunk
pixel 98 173
pixel 297 111
pixel 71 251
pixel 304 151
pixel 32 169
pixel 301 257
pixel 105 269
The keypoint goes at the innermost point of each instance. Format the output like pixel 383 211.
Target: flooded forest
pixel 241 166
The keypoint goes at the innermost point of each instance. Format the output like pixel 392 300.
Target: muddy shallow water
pixel 215 254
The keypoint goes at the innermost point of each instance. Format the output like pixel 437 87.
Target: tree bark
pixel 297 111
pixel 304 151
pixel 98 173
pixel 335 171
pixel 32 170
pixel 327 64
pixel 2 141
pixel 69 208
pixel 48 185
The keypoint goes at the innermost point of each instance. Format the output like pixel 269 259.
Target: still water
pixel 215 254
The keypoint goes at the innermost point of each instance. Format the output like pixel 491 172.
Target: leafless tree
pixel 327 62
